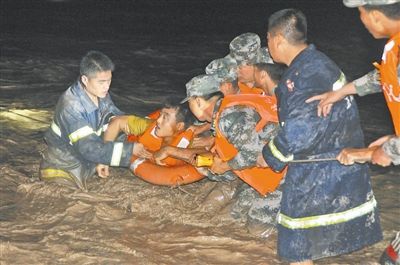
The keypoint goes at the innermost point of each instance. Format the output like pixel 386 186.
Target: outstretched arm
pixel 326 100
pixel 365 85
pixel 185 154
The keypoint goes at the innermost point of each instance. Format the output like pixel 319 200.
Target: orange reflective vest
pixel 264 180
pixel 390 79
pixel 244 89
pixel 153 143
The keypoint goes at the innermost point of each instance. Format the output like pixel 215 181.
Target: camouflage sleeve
pixel 238 125
pixel 392 149
pixel 368 84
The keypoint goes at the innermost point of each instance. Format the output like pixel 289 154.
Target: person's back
pixel 327 209
pixel 311 73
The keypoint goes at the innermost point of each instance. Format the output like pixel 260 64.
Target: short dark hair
pixel 183 113
pixel 94 62
pixel 290 23
pixel 391 11
pixel 274 70
pixel 209 96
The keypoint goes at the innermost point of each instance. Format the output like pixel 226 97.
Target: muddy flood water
pixel 157 47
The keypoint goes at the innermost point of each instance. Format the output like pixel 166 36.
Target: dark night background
pixel 157 46
pixel 139 35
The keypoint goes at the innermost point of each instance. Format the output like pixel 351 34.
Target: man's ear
pixel 180 126
pixel 280 41
pixel 378 19
pixel 264 74
pixel 198 102
pixel 84 79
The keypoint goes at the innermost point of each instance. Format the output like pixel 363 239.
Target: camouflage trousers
pixel 248 206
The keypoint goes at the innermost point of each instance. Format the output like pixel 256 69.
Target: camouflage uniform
pixel 246 48
pixel 357 3
pixel 370 83
pixel 224 69
pixel 238 123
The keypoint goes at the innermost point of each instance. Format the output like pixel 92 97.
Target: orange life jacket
pixel 244 89
pixel 153 143
pixel 390 79
pixel 152 116
pixel 176 172
pixel 264 180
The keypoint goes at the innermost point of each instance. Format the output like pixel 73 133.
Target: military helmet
pixel 201 85
pixel 357 3
pixel 244 48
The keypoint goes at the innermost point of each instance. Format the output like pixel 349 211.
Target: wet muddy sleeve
pixel 88 143
pixel 302 130
pixel 368 84
pixel 392 149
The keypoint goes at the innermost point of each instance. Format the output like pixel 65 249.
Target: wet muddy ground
pixel 123 220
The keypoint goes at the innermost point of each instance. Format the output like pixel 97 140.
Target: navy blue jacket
pixel 77 127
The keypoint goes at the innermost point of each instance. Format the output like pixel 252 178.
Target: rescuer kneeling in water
pixel 74 141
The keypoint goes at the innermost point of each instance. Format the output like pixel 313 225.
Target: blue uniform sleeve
pixel 301 130
pixel 88 142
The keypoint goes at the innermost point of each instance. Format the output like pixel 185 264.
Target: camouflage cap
pixel 201 85
pixel 223 68
pixel 244 48
pixel 264 56
pixel 357 3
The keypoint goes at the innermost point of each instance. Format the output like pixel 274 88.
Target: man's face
pixel 98 85
pixel 197 107
pixel 264 81
pixel 166 123
pixel 370 22
pixel 245 73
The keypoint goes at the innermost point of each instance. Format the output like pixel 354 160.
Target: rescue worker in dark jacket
pixel 327 209
pixel 75 145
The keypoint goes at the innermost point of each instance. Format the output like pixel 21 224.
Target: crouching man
pixel 75 146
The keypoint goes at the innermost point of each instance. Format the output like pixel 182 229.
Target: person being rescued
pixel 168 137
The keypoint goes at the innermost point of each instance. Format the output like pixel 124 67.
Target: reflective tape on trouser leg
pixel 327 219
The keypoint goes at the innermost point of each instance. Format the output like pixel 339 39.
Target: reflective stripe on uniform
pixel 51 173
pixel 116 155
pixel 327 219
pixel 183 143
pixel 136 163
pixel 80 133
pixel 276 153
pixel 340 82
pixel 56 129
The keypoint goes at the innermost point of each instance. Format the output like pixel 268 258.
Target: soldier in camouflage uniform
pixel 246 50
pixel 235 122
pixel 385 150
pixel 225 69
